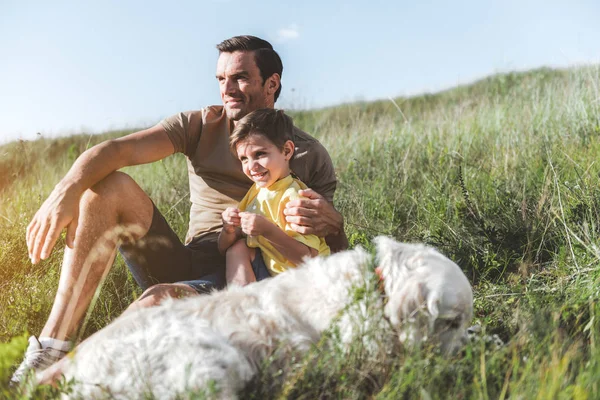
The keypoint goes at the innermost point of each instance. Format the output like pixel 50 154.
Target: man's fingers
pixel 311 194
pixel 38 242
pixel 28 232
pixel 71 229
pixel 33 226
pixel 298 220
pixel 298 203
pixel 300 211
pixel 303 230
pixel 32 239
pixel 51 237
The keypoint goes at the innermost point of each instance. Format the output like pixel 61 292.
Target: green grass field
pixel 500 175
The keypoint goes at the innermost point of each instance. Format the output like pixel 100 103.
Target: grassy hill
pixel 501 175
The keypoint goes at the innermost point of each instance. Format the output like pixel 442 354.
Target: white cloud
pixel 289 33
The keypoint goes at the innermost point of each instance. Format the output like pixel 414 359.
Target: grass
pixel 501 175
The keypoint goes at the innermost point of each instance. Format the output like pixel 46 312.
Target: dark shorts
pixel 258 266
pixel 160 257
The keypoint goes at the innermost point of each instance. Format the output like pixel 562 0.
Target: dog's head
pixel 428 295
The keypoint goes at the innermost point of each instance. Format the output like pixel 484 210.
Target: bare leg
pixel 52 374
pixel 154 295
pixel 114 203
pixel 238 268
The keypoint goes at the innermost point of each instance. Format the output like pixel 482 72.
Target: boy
pixel 262 143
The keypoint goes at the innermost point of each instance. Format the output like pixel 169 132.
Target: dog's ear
pixel 392 254
pixel 388 253
pixel 384 243
pixel 379 273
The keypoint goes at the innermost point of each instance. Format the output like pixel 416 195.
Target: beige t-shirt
pixel 215 174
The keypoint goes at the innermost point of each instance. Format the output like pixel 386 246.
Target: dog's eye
pixel 454 324
pixel 447 324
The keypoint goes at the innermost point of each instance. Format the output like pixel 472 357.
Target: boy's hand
pixel 255 225
pixel 231 219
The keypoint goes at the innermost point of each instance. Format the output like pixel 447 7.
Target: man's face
pixel 241 86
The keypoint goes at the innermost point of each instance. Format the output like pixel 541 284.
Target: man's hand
pixel 60 210
pixel 313 215
pixel 255 225
pixel 231 219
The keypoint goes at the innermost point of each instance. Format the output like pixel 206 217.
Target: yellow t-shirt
pixel 215 174
pixel 270 203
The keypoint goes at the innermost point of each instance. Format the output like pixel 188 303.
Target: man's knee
pixel 119 195
pixel 108 191
pixel 113 186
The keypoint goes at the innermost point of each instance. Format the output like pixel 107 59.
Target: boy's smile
pixel 262 161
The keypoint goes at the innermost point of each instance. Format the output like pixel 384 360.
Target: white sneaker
pixel 36 359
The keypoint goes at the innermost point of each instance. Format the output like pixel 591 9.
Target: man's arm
pixel 312 214
pixel 61 208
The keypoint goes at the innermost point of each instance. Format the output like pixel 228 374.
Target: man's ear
pixel 288 150
pixel 272 83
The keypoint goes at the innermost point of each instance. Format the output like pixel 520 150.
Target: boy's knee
pixel 240 248
pixel 237 248
pixel 240 244
pixel 157 293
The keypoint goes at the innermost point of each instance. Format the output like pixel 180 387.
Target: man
pixel 97 204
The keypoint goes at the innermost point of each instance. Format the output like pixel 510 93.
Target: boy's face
pixel 262 161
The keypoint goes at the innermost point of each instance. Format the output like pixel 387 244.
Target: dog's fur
pixel 220 340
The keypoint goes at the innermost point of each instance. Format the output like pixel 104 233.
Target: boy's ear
pixel 288 150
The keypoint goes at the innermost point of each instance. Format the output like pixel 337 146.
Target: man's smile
pixel 234 101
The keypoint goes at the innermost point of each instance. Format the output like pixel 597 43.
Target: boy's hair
pixel 275 125
pixel 267 60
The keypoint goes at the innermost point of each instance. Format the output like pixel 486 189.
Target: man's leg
pixel 116 200
pixel 113 208
pixel 196 268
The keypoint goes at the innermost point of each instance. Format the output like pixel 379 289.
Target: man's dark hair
pixel 267 60
pixel 275 125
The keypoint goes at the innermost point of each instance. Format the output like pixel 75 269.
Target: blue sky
pixel 70 66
